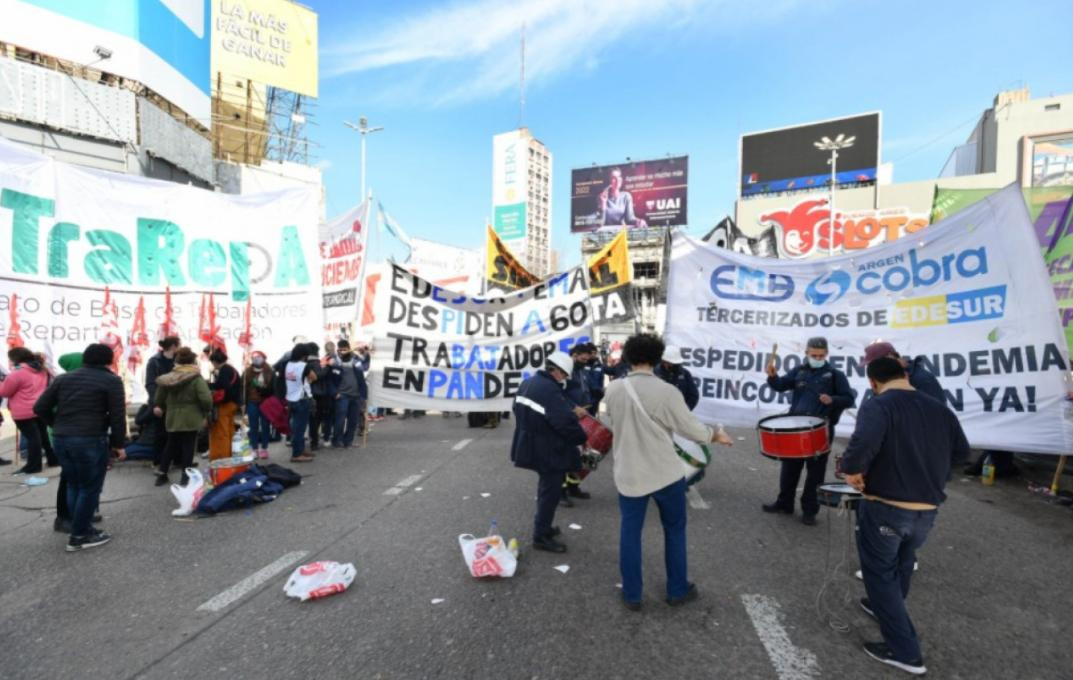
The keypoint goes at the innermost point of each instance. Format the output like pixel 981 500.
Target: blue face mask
pixel 816 363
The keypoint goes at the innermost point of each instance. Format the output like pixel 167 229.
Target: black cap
pixel 342 344
pixel 817 342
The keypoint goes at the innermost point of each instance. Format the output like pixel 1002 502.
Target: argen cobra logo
pixel 895 274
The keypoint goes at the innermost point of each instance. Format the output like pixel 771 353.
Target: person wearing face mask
pixel 671 371
pixel 161 363
pixel 547 437
pixel 258 384
pixel 899 458
pixel 351 393
pixel 819 389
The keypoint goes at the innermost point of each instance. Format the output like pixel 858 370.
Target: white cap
pixel 563 361
pixel 672 354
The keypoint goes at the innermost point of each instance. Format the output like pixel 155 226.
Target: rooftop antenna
pixel 521 110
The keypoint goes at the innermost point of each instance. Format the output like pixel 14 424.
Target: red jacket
pixel 22 388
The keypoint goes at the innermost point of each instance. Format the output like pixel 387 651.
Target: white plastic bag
pixel 319 579
pixel 487 556
pixel 190 495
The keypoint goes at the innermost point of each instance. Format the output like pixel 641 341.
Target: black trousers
pixel 35 432
pixel 179 451
pixel 160 441
pixel 321 419
pixel 791 474
pixel 549 491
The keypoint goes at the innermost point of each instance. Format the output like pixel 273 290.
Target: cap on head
pixel 878 350
pixel 580 348
pixel 562 361
pixel 817 342
pixel 672 354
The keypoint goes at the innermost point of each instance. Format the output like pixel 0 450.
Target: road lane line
pixel 696 501
pixel 790 662
pixel 409 481
pixel 461 445
pixel 393 491
pixel 251 582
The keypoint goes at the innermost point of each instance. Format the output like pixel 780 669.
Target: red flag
pixel 138 339
pixel 169 327
pixel 245 338
pixel 110 328
pixel 208 330
pixel 14 339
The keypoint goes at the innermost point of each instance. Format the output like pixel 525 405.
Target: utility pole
pixel 363 128
pixel 833 145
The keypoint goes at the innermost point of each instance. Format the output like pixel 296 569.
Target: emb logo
pixel 733 282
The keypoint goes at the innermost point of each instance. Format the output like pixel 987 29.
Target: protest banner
pixel 342 263
pixel 437 349
pixel 610 281
pixel 970 295
pixel 502 270
pixel 159 249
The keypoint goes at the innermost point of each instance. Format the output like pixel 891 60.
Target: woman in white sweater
pixel 644 411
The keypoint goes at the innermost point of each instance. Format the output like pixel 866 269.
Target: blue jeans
pixel 887 541
pixel 259 426
pixel 671 501
pixel 347 418
pixel 299 423
pixel 84 461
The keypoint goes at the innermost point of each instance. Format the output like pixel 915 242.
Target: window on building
pixel 646 270
pixel 1052 107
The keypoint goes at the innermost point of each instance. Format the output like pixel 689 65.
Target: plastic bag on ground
pixel 319 579
pixel 190 495
pixel 488 556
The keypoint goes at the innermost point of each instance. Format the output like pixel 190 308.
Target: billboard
pixel 787 159
pixel 510 192
pixel 1052 162
pixel 267 41
pixel 164 45
pixel 634 195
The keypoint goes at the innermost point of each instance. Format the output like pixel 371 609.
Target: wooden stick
pixel 1058 474
pixel 364 428
pixel 774 354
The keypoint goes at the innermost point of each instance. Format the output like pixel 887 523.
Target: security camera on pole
pixel 827 144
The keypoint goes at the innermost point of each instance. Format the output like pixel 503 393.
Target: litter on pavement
pixel 575 527
pixel 437 600
pixel 319 579
pixel 563 568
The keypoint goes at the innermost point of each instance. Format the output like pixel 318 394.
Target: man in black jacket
pixel 161 363
pixel 546 440
pixel 819 389
pixel 87 412
pixel 899 458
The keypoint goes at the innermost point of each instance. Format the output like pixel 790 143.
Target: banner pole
pixel 1058 474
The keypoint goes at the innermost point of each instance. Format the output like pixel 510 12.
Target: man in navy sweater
pixel 899 457
pixel 819 389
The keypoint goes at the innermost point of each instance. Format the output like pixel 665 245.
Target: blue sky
pixel 643 78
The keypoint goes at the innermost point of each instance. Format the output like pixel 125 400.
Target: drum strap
pixel 640 407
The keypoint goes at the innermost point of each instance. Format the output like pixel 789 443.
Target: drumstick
pixel 774 354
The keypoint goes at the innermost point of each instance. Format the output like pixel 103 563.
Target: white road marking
pixel 246 585
pixel 393 491
pixel 790 662
pixel 461 445
pixel 409 481
pixel 696 501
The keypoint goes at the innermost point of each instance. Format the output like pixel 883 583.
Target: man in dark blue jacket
pixel 351 394
pixel 670 370
pixel 821 390
pixel 546 440
pixel 899 458
pixel 919 377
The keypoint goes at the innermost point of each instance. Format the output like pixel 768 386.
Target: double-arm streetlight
pixel 832 145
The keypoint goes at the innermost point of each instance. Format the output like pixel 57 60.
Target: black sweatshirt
pixel 905 443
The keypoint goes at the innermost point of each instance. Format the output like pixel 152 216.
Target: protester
pixel 671 371
pixel 258 384
pixel 21 388
pixel 899 458
pixel 86 410
pixel 226 388
pixel 160 364
pixel 578 384
pixel 183 399
pixel 72 361
pixel 351 393
pixel 297 376
pixel 322 415
pixel 642 413
pixel 919 376
pixel 821 390
pixel 546 440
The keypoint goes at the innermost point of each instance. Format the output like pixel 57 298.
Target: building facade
pixel 521 198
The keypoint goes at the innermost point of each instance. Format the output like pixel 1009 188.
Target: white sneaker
pixel 860 576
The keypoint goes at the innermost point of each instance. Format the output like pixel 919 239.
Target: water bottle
pixel 987 473
pixel 494 529
pixel 512 546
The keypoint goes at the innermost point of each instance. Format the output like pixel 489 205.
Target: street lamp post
pixel 833 145
pixel 363 128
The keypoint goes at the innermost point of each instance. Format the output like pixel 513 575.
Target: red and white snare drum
pixel 793 437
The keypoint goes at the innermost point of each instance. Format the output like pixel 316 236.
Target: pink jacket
pixel 22 388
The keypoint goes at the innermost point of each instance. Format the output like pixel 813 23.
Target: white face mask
pixel 816 363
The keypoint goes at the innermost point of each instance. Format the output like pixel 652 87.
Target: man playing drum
pixel 821 390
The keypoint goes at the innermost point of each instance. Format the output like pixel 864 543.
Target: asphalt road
pixel 991 599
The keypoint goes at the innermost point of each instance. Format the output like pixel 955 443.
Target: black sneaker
pixel 777 507
pixel 161 480
pixel 809 520
pixel 25 470
pixel 76 543
pixel 881 652
pixel 690 595
pixel 632 606
pixel 866 605
pixel 549 544
pixel 5 461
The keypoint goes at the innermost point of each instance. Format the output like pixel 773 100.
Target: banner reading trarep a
pixel 68 234
pixel 437 349
pixel 969 295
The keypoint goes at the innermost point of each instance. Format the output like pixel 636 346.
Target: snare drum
pixel 834 495
pixel 793 437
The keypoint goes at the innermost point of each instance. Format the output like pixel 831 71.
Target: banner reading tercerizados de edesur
pixel 971 295
pixel 437 349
